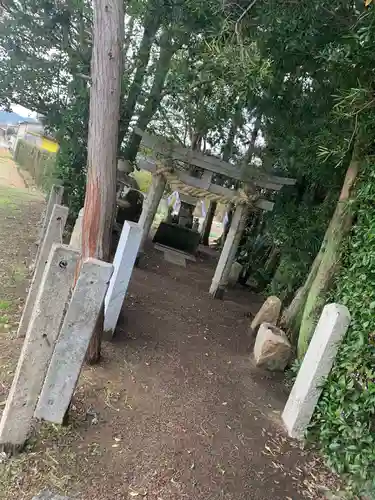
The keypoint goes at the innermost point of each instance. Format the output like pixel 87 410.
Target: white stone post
pixel 38 346
pixel 55 198
pixel 76 237
pixel 228 253
pixel 123 263
pixel 53 235
pixel 74 338
pixel 317 364
pixel 150 205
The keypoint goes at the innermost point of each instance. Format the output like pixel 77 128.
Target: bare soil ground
pixel 175 410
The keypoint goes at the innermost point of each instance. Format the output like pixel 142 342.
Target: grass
pixel 46 463
pixel 5 305
pixel 4 318
pixel 19 274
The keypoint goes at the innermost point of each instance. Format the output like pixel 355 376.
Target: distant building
pixel 33 133
pixel 29 129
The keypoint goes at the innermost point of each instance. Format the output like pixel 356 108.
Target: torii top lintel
pixel 177 152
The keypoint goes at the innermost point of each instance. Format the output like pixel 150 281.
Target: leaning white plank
pixel 123 263
pixel 38 346
pixel 317 364
pixel 55 198
pixel 74 338
pixel 53 235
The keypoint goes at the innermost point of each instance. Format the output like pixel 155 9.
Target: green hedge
pixel 40 164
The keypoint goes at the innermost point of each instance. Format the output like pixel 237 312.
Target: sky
pixel 20 110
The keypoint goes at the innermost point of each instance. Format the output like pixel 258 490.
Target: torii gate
pixel 173 167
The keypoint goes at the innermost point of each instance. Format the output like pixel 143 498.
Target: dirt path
pixel 20 212
pixel 175 410
pixel 9 175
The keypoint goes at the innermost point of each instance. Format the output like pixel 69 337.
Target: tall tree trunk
pixel 292 319
pixel 100 200
pixel 167 50
pixel 254 134
pixel 151 26
pixel 207 224
pixel 328 258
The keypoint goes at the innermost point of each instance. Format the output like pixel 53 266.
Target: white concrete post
pixel 228 253
pixel 150 205
pixel 76 237
pixel 53 235
pixel 38 346
pixel 55 198
pixel 74 338
pixel 317 364
pixel 123 263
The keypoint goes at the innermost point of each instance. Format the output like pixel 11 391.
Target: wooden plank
pixel 265 205
pixel 260 179
pixel 52 235
pixel 38 346
pixel 268 185
pixel 190 180
pixel 223 191
pixel 147 164
pixel 178 152
pixel 74 338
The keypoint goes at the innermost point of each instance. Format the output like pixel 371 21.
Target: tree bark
pixel 151 26
pixel 328 258
pixel 100 200
pixel 167 50
pixel 254 134
pixel 207 224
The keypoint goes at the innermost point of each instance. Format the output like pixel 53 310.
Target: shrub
pixel 40 164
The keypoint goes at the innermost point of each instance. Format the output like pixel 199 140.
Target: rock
pixel 272 349
pixel 234 273
pixel 268 313
pixel 47 495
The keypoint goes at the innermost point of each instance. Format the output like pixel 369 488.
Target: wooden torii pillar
pixel 229 251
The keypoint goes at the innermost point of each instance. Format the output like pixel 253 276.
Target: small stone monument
pixel 234 273
pixel 272 349
pixel 268 313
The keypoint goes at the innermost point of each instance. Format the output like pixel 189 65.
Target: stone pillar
pixel 71 346
pixel 123 263
pixel 52 235
pixel 150 205
pixel 76 237
pixel 38 346
pixel 317 364
pixel 228 254
pixel 55 198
